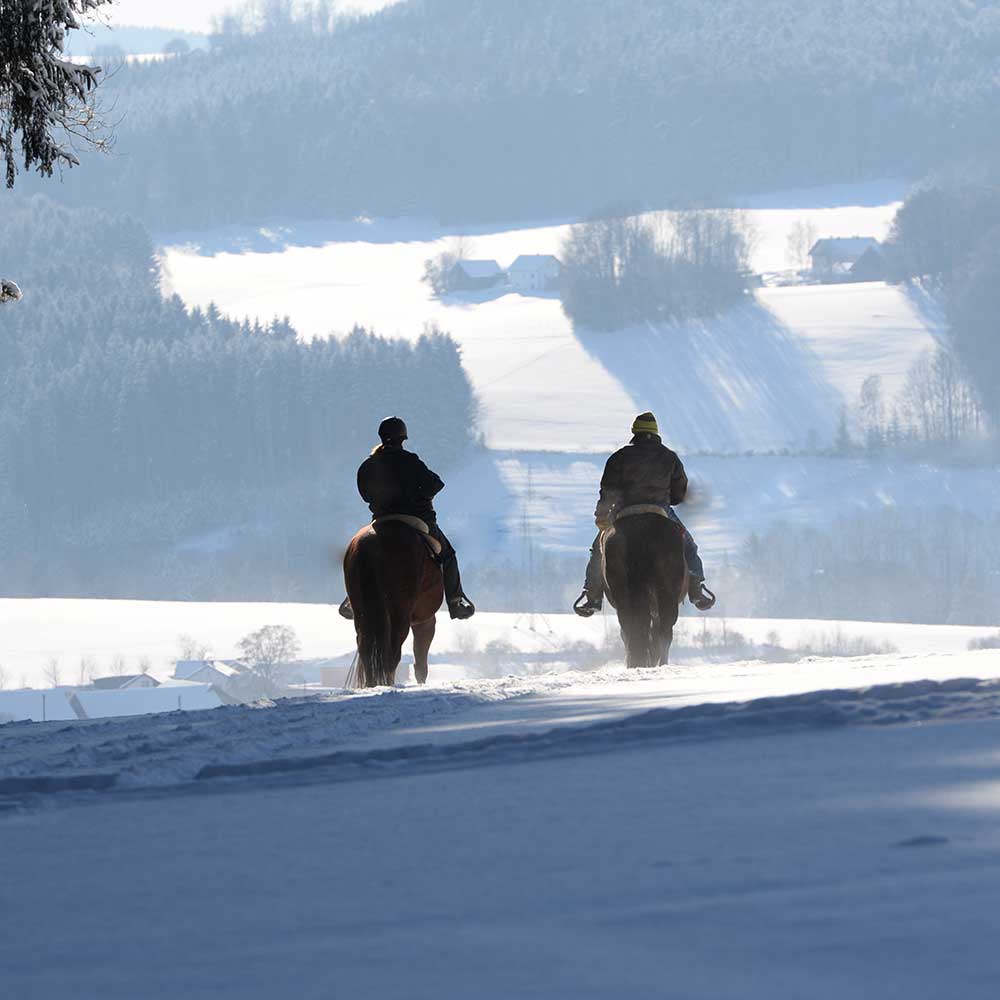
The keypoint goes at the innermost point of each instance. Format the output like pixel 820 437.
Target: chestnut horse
pixel 645 580
pixel 394 584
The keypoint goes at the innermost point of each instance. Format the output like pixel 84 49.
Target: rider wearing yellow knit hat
pixel 645 471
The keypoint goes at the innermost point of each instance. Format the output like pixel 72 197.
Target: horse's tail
pixel 374 631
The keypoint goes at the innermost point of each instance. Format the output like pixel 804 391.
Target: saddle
pixel 631 511
pixel 418 525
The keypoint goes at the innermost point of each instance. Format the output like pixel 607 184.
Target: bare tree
pixel 872 410
pixel 3 677
pixel 118 665
pixel 87 671
pixel 53 673
pixel 938 401
pixel 437 270
pixel 190 648
pixel 265 650
pixel 145 664
pixel 801 239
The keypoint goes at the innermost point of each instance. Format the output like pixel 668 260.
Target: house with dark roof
pixel 833 258
pixel 473 275
pixel 535 272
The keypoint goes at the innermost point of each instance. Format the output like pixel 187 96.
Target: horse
pixel 645 579
pixel 395 584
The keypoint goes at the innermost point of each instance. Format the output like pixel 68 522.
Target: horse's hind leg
pixel 423 635
pixel 635 633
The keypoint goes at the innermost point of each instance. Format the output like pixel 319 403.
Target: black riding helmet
pixel 392 429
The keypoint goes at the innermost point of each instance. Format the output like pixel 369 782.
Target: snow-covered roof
pixel 533 261
pixel 480 268
pixel 844 248
pixel 183 669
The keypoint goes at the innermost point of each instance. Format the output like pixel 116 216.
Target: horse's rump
pixel 645 575
pixel 393 582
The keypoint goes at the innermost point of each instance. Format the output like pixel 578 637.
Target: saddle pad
pixel 418 525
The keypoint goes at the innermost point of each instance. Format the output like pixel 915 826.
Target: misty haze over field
pixel 751 248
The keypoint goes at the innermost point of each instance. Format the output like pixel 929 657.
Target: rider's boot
pixel 587 604
pixel 699 595
pixel 459 606
pixel 345 610
pixel 592 598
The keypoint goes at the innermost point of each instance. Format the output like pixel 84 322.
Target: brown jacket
pixel 645 471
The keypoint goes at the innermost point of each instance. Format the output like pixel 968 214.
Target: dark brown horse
pixel 394 584
pixel 645 579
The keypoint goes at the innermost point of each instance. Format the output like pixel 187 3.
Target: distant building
pixel 870 266
pixel 222 673
pixel 834 257
pixel 473 275
pixel 124 682
pixel 535 272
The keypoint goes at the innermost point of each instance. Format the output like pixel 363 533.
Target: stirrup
pixel 461 607
pixel 345 610
pixel 585 607
pixel 703 599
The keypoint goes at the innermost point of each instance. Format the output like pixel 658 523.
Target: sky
pixel 194 15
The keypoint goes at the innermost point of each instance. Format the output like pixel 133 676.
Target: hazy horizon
pixel 196 15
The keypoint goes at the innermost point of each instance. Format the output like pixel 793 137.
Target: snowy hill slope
pixel 772 375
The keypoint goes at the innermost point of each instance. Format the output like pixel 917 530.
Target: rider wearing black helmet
pixel 393 480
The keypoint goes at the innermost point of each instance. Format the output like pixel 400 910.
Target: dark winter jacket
pixel 645 471
pixel 394 481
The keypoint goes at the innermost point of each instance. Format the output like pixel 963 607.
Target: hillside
pixel 733 394
pixel 771 375
pixel 471 110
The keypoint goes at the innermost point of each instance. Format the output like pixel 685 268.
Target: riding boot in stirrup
pixel 585 605
pixel 700 596
pixel 345 610
pixel 461 607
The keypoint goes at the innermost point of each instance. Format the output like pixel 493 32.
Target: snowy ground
pixel 828 844
pixel 38 632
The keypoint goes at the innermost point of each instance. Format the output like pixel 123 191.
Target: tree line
pixel 484 110
pixel 130 425
pixel 946 237
pixel 621 270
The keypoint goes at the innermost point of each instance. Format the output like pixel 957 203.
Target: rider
pixel 645 471
pixel 394 481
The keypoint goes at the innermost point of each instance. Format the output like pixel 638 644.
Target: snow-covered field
pixel 774 374
pixel 771 375
pixel 38 632
pixel 605 834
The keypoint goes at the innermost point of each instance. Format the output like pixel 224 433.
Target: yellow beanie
pixel 645 423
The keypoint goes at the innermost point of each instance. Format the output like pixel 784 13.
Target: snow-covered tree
pixel 45 99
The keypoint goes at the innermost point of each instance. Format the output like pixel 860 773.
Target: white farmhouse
pixel 535 272
pixel 222 673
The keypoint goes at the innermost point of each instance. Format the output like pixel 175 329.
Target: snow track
pixel 310 738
